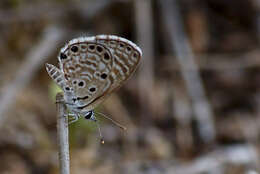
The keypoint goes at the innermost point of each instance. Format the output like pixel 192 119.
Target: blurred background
pixel 192 107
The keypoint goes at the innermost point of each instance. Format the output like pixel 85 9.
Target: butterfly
pixel 91 68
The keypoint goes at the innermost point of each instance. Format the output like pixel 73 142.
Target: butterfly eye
pixel 88 115
pixel 63 56
pixel 74 49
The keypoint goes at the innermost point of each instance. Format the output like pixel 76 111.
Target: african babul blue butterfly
pixel 90 69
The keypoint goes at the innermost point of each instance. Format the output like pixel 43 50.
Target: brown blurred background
pixel 192 107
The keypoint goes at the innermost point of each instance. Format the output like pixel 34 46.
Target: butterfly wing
pixel 126 57
pixel 95 66
pixel 56 75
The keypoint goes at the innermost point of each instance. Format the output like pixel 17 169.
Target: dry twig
pixel 144 25
pixel 177 37
pixel 35 59
pixel 55 10
pixel 63 135
pixel 218 61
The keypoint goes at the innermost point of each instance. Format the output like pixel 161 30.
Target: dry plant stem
pixel 219 62
pixel 63 135
pixel 189 70
pixel 182 113
pixel 144 25
pixel 35 59
pixel 56 11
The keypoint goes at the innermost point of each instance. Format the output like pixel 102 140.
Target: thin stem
pixel 63 138
pixel 189 70
pixel 34 60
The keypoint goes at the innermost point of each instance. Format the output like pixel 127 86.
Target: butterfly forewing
pixel 87 68
pixel 96 66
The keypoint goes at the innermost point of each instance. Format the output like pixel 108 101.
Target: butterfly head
pixel 89 115
pixel 71 99
pixel 68 94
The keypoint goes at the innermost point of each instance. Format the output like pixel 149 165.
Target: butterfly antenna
pixel 99 130
pixel 113 121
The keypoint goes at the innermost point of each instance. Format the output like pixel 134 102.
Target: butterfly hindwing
pixel 96 66
pixel 56 75
pixel 126 56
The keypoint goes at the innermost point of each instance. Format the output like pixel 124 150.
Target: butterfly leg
pixel 75 117
pixel 70 115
